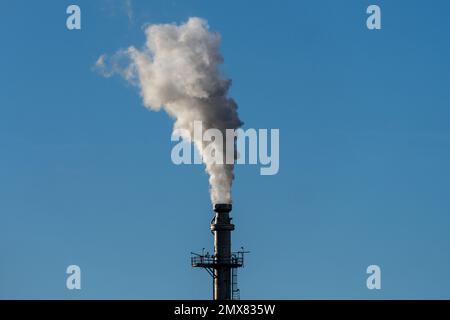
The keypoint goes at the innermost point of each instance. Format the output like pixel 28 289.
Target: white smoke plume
pixel 178 71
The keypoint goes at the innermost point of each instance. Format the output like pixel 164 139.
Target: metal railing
pixel 200 261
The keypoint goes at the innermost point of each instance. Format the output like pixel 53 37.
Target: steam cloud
pixel 178 71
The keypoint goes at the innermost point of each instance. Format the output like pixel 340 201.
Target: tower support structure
pixel 223 264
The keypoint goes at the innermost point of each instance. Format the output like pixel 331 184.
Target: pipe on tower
pixel 222 227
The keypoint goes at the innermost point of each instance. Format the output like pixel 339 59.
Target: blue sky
pixel 364 119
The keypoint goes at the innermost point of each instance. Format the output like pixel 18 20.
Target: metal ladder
pixel 235 294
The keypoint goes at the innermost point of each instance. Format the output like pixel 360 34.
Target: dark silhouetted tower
pixel 223 264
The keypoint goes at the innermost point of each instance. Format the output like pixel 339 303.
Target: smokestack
pixel 222 227
pixel 223 264
pixel 178 71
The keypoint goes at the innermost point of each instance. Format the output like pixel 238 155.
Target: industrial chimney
pixel 221 228
pixel 223 264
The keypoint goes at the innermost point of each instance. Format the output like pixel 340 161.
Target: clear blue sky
pixel 364 119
